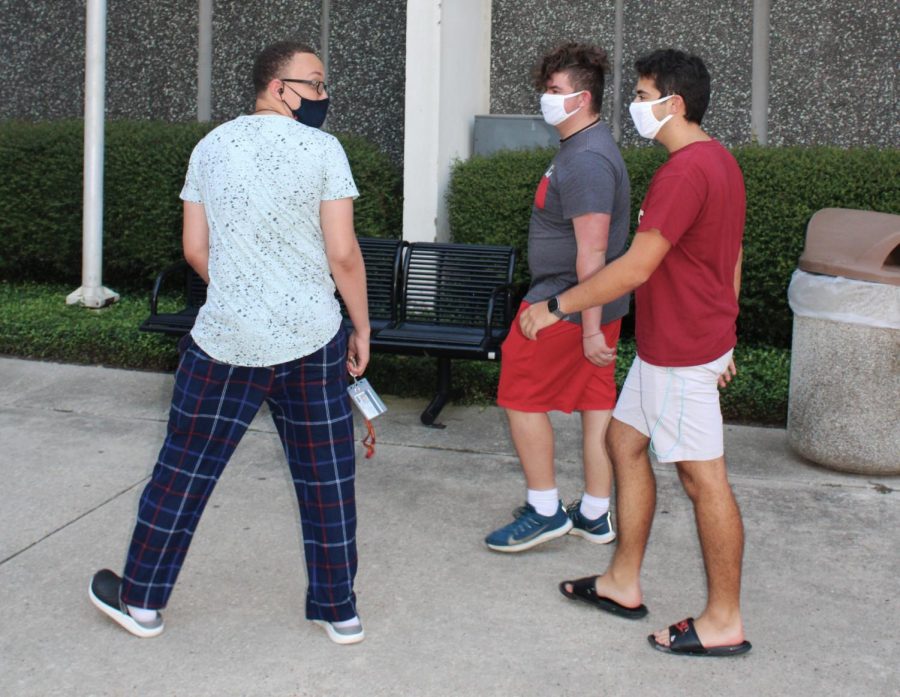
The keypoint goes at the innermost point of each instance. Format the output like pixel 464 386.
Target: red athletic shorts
pixel 551 373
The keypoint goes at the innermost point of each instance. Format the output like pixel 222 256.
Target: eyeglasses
pixel 317 85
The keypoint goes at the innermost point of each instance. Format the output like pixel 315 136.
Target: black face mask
pixel 310 112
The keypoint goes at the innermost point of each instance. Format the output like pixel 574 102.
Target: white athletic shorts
pixel 676 408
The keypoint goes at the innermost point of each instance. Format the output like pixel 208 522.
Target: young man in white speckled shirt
pixel 268 223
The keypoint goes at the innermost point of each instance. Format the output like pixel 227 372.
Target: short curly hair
pixel 586 67
pixel 271 61
pixel 677 72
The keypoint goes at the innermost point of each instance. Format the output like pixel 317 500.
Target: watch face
pixel 553 306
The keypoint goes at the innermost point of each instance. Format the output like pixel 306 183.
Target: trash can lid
pixel 864 245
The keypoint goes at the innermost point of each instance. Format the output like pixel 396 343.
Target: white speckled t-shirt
pixel 271 296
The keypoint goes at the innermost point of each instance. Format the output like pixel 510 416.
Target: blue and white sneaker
pixel 529 529
pixel 599 530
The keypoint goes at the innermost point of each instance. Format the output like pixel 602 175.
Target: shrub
pixel 36 323
pixel 490 199
pixel 145 163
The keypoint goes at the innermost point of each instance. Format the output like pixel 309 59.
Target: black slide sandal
pixel 584 589
pixel 683 641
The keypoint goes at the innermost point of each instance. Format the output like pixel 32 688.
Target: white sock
pixel 546 503
pixel 593 507
pixel 346 623
pixel 142 614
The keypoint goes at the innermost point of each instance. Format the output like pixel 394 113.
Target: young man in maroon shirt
pixel 685 267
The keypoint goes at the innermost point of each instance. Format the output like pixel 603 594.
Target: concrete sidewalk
pixel 443 615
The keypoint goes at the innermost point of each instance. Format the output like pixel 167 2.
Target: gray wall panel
pixel 41 59
pixel 522 31
pixel 151 60
pixel 834 73
pixel 718 31
pixel 240 30
pixel 833 63
pixel 368 71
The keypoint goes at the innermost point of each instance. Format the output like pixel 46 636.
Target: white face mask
pixel 553 107
pixel 644 121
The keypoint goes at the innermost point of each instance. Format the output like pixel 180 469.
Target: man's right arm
pixel 615 279
pixel 195 238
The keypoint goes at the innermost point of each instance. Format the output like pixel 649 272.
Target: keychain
pixel 370 406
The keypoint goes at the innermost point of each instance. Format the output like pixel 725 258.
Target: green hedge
pixel 145 163
pixel 490 202
pixel 36 323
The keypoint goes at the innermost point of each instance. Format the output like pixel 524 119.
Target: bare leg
pixel 532 436
pixel 597 468
pixel 722 541
pixel 635 506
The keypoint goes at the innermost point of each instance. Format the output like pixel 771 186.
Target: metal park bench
pixel 425 299
pixel 455 302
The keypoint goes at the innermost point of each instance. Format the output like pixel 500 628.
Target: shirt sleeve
pixel 672 204
pixel 338 177
pixel 587 184
pixel 191 189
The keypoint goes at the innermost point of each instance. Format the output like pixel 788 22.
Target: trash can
pixel 844 400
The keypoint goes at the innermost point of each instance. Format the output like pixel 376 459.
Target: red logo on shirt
pixel 540 196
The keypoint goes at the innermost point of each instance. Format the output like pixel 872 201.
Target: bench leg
pixel 443 393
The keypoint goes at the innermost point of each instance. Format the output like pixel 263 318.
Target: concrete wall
pixel 833 62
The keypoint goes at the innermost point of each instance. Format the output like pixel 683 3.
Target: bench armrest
pixel 158 283
pixel 506 289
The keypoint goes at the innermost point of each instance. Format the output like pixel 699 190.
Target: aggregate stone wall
pixel 240 30
pixel 151 61
pixel 151 65
pixel 368 70
pixel 834 73
pixel 720 32
pixel 833 62
pixel 522 31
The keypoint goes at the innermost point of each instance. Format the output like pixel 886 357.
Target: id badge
pixel 366 399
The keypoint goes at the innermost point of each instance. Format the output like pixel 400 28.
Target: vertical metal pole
pixel 618 50
pixel 325 32
pixel 204 61
pixel 759 85
pixel 92 293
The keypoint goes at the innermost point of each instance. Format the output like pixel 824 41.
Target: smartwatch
pixel 553 306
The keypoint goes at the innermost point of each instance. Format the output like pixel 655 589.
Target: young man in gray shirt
pixel 579 222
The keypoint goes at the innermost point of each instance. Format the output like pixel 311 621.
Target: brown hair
pixel 586 67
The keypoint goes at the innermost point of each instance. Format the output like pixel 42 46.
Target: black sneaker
pixel 105 594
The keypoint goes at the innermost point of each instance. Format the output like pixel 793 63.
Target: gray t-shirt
pixel 261 180
pixel 587 175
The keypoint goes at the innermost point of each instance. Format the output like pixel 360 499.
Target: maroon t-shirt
pixel 686 311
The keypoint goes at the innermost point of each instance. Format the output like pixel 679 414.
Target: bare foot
pixel 710 633
pixel 628 595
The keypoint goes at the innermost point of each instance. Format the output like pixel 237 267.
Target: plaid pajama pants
pixel 212 406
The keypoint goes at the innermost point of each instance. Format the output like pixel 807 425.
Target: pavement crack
pixel 75 520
